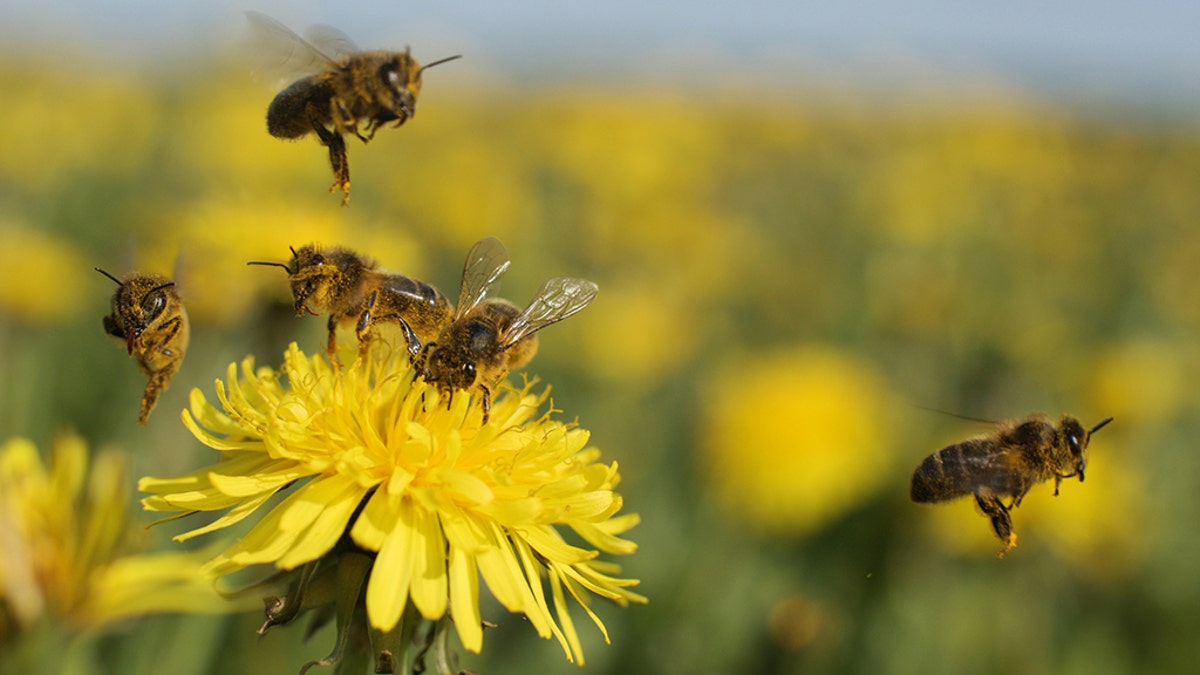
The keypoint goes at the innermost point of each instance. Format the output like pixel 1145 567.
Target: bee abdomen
pixel 944 474
pixel 291 112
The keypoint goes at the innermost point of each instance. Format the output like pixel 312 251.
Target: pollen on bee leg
pixel 1009 544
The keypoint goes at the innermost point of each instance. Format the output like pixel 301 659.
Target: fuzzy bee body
pixel 149 318
pixel 346 92
pixel 1005 463
pixel 488 337
pixel 355 292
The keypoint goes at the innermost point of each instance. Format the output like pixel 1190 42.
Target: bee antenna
pixel 293 250
pixel 438 63
pixel 270 264
pixel 159 288
pixel 109 276
pixel 950 414
pixel 1100 425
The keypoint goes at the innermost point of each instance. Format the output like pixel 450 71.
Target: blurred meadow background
pixel 804 237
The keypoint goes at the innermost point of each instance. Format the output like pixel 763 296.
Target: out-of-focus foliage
pixel 785 283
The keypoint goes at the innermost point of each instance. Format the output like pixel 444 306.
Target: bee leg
pixel 154 387
pixel 344 120
pixel 422 359
pixel 1057 483
pixel 338 160
pixel 486 396
pixel 113 327
pixel 411 339
pixel 172 329
pixel 1017 497
pixel 332 344
pixel 995 510
pixel 364 328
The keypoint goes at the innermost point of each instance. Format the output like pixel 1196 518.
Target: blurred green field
pixel 788 277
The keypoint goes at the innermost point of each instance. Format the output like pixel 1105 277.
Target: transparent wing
pixel 557 299
pixel 282 54
pixel 331 41
pixel 486 262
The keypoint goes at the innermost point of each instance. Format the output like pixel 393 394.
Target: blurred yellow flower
pixel 48 275
pixel 64 539
pixel 436 496
pixel 73 116
pixel 1141 381
pixel 795 439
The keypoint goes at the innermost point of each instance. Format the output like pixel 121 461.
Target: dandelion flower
pixel 66 550
pixel 792 462
pixel 404 494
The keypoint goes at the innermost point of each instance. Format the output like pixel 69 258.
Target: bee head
pixel 450 367
pixel 313 272
pixel 1076 439
pixel 402 76
pixel 138 302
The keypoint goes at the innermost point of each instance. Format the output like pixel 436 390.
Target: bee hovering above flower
pixel 344 90
pixel 148 316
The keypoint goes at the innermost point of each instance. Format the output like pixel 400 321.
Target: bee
pixel 149 317
pixel 345 88
pixel 1009 461
pixel 489 337
pixel 353 290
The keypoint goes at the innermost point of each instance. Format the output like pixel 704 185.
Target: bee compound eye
pixel 469 371
pixel 1073 443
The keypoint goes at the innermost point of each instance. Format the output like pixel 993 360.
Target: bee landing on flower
pixel 400 502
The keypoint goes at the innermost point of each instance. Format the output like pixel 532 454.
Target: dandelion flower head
pixel 66 551
pixel 389 466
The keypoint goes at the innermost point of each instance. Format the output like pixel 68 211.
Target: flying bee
pixel 1009 461
pixel 489 337
pixel 353 291
pixel 343 89
pixel 149 317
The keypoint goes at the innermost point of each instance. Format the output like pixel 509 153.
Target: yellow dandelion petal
pixel 387 590
pixel 604 535
pixel 533 570
pixel 464 598
pixel 377 520
pixel 234 515
pixel 264 475
pixel 430 585
pixel 569 638
pixel 546 541
pixel 504 577
pixel 320 518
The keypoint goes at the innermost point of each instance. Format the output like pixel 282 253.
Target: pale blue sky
pixel 1125 49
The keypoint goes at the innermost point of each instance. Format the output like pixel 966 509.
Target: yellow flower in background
pixel 1141 381
pixel 51 271
pixel 48 102
pixel 64 544
pixel 435 496
pixel 795 439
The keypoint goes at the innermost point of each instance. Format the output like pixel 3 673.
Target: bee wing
pixel 557 299
pixel 972 465
pixel 282 53
pixel 486 262
pixel 331 41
